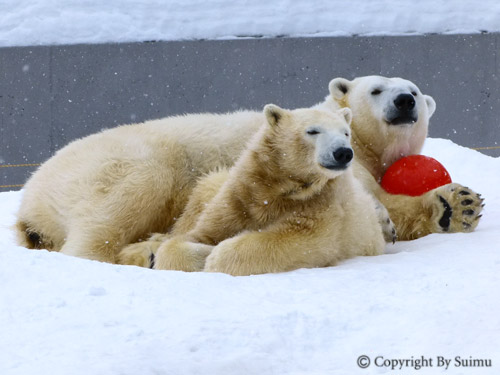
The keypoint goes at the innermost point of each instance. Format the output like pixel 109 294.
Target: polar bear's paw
pixel 388 227
pixel 455 208
pixel 141 254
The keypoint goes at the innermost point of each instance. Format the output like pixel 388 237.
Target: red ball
pixel 415 175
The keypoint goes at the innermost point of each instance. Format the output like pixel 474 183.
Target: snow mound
pixel 436 296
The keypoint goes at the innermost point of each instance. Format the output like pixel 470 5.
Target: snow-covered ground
pixel 436 296
pixel 42 22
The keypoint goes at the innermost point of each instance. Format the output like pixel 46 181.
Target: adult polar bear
pixel 110 189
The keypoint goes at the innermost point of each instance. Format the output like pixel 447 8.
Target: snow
pixel 436 296
pixel 45 22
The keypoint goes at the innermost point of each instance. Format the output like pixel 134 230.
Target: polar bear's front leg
pixel 447 209
pixel 253 253
pixel 296 243
pixel 454 208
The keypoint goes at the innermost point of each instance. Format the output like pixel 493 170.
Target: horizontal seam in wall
pixel 18 165
pixel 10 186
pixel 485 148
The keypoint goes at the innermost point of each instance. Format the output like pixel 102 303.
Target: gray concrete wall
pixel 51 95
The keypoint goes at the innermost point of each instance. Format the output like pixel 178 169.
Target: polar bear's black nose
pixel 343 155
pixel 404 102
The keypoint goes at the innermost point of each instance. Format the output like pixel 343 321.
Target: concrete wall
pixel 51 95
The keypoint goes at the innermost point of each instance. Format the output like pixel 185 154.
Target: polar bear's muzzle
pixel 403 110
pixel 339 159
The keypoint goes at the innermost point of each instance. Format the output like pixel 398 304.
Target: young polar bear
pixel 290 201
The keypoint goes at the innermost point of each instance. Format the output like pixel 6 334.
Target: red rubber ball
pixel 415 175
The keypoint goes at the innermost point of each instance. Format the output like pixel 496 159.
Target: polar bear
pixel 290 201
pixel 391 118
pixel 105 191
pixel 116 187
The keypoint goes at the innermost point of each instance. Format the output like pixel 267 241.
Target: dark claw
pixel 467 202
pixel 463 192
pixel 478 217
pixel 483 205
pixel 468 212
pixel 151 261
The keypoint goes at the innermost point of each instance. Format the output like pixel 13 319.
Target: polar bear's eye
pixel 414 93
pixel 376 92
pixel 313 131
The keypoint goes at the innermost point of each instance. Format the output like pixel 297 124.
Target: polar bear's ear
pixel 339 87
pixel 347 114
pixel 274 114
pixel 431 104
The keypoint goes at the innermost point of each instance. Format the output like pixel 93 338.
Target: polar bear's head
pixel 310 140
pixel 390 117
